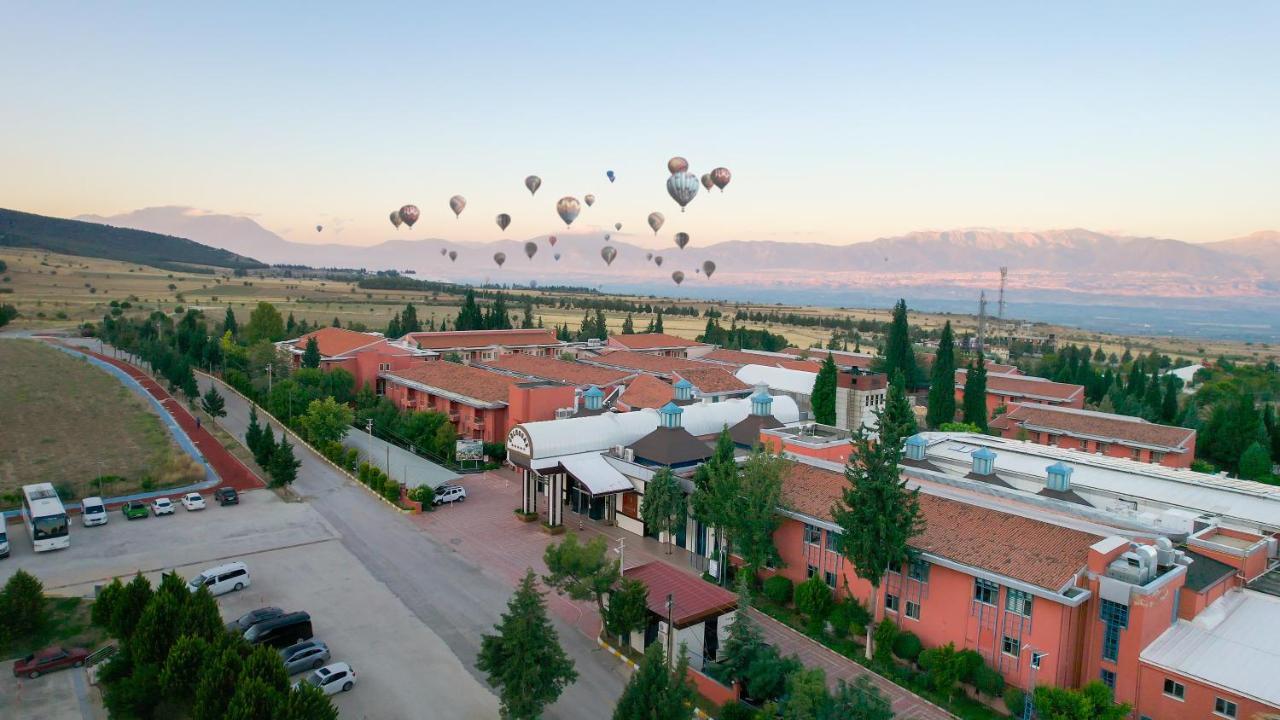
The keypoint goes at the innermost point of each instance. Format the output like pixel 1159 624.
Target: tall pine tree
pixel 898 353
pixel 975 394
pixel 942 381
pixel 311 355
pixel 822 401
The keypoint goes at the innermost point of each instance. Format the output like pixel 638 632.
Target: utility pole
pixel 671 627
pixel 982 321
pixel 268 378
pixel 622 546
pixel 1004 273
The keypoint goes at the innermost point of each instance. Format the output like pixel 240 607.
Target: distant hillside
pixel 1262 248
pixel 72 237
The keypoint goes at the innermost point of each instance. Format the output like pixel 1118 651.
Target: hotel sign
pixel 518 441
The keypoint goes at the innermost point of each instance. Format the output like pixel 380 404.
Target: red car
pixel 48 660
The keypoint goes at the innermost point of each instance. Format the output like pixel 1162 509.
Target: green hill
pixel 72 237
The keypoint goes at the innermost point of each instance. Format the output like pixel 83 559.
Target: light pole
pixel 622 565
pixel 268 378
pixel 1028 706
pixel 671 626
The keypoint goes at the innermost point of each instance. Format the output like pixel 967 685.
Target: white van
pixel 93 512
pixel 4 540
pixel 222 579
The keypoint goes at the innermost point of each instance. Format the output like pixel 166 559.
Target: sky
pixel 841 122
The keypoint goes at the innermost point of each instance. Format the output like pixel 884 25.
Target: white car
pixel 93 511
pixel 162 506
pixel 332 679
pixel 450 494
pixel 193 501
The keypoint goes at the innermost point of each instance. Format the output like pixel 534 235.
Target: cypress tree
pixel 657 323
pixel 975 394
pixel 657 691
pixel 253 435
pixel 898 353
pixel 311 355
pixel 942 383
pixel 822 401
pixel 393 327
pixel 229 322
pixel 283 465
pixel 601 327
pixel 627 327
pixel 409 322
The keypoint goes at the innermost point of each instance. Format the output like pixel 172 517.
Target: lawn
pixel 67 625
pixel 67 422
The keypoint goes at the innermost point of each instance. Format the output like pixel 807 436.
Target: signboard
pixel 469 450
pixel 518 441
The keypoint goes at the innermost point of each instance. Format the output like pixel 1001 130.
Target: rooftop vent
pixel 564 413
pixel 593 398
pixel 984 462
pixel 1059 477
pixel 684 389
pixel 669 415
pixel 916 445
pixel 761 403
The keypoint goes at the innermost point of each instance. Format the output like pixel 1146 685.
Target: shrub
pixel 1015 700
pixel 23 609
pixel 968 663
pixel 841 618
pixel 424 494
pixel 736 711
pixel 907 646
pixel 885 633
pixel 988 681
pixel 813 598
pixel 362 473
pixel 778 589
pixel 391 490
pixel 353 458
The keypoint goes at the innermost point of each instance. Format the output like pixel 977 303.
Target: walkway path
pixel 402 465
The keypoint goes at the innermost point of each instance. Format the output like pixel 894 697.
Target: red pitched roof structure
pixel 646 391
pixel 644 362
pixel 476 384
pixel 335 342
pixel 547 368
pixel 457 339
pixel 1097 425
pixel 1032 388
pixel 713 380
pixel 652 341
pixel 693 599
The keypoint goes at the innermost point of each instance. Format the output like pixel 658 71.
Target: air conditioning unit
pixel 1123 571
pixel 619 451
pixel 564 413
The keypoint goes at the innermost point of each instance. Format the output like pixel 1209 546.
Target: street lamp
pixel 671 627
pixel 1028 706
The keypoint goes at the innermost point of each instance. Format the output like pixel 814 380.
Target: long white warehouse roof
pixel 782 379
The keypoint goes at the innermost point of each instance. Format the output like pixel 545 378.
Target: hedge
pixel 778 589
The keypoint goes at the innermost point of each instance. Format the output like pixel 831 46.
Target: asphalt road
pixel 457 600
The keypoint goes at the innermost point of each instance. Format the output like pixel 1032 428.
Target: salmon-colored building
pixel 1007 389
pixel 659 344
pixel 1097 432
pixel 484 345
pixel 364 355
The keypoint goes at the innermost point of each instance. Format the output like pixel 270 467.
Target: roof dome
pixel 682 383
pixel 984 454
pixel 917 441
pixel 594 391
pixel 671 409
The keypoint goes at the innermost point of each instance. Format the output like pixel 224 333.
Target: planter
pixel 550 530
pixel 526 517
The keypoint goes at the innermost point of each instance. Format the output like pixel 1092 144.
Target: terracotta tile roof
pixel 647 391
pixel 476 383
pixel 644 362
pixel 848 359
pixel 481 338
pixel 694 598
pixel 1024 386
pixel 337 341
pixel 574 373
pixel 1003 369
pixel 1032 551
pixel 802 365
pixel 651 341
pixel 710 380
pixel 1120 428
pixel 738 358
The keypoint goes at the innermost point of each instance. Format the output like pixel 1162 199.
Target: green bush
pixel 988 681
pixel 362 473
pixel 1014 700
pixel 841 619
pixel 391 490
pixel 23 607
pixel 885 633
pixel 424 494
pixel 736 711
pixel 969 662
pixel 353 459
pixel 813 599
pixel 778 589
pixel 907 646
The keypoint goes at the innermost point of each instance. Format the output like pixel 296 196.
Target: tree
pixel 876 513
pixel 158 629
pixel 180 673
pixel 942 381
pixel 217 685
pixel 657 691
pixel 283 466
pixel 105 604
pixel 23 609
pixel 524 660
pixel 861 700
pixel 7 314
pixel 581 571
pixel 975 394
pixel 526 322
pixel 212 403
pixel 897 412
pixel 628 609
pixel 1255 463
pixel 306 702
pixel 311 355
pixel 716 488
pixel 264 323
pixel 327 421
pixel 229 324
pixel 944 666
pixel 663 507
pixel 266 449
pixel 254 699
pixel 409 322
pixel 1094 701
pixel 813 599
pixel 807 697
pixel 628 326
pixel 898 353
pixel 1233 426
pixel 657 323
pixel 823 398
pixel 744 639
pixel 129 608
pixel 756 518
pixel 253 434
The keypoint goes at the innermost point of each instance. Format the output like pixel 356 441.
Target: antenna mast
pixel 982 321
pixel 1004 273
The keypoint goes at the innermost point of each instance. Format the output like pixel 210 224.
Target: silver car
pixel 306 655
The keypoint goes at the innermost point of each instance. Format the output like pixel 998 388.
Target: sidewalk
pixel 404 466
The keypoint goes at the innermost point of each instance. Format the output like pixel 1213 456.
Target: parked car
pixel 450 494
pixel 221 579
pixel 134 510
pixel 306 655
pixel 332 679
pixel 93 512
pixel 4 543
pixel 48 660
pixel 282 631
pixel 226 496
pixel 193 501
pixel 253 617
pixel 162 506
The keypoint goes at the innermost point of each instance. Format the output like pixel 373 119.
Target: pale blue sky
pixel 840 123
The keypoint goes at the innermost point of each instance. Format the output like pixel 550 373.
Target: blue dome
pixel 1059 467
pixel 671 409
pixel 762 396
pixel 984 454
pixel 682 384
pixel 593 391
pixel 917 441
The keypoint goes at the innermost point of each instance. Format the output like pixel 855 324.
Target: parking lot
pixel 297 562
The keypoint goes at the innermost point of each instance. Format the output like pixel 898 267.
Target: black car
pixel 253 617
pixel 226 496
pixel 279 632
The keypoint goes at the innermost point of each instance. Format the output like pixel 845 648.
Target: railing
pixel 99 655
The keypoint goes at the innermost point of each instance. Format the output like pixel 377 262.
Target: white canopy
pixel 591 469
pixel 799 382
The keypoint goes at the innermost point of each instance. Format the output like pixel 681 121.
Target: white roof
pixel 783 379
pixel 569 436
pixel 592 470
pixel 1233 644
pixel 1186 374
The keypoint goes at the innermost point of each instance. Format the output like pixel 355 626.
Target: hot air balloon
pixel 721 177
pixel 707 182
pixel 655 221
pixel 617 226
pixel 409 214
pixel 395 218
pixel 657 260
pixel 609 174
pixel 590 199
pixel 453 255
pixel 557 256
pixel 708 267
pixel 678 277
pixel 457 204
pixel 443 250
pixel 500 258
pixel 319 228
pixel 533 182
pixel 530 249
pixel 552 240
pixel 677 164
pixel 648 257
pixel 683 188
pixel 503 221
pixel 608 252
pixel 697 271
pixel 682 239
pixel 568 208
pixel 607 237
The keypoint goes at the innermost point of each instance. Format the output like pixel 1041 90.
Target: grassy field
pixel 67 422
pixel 57 291
pixel 68 625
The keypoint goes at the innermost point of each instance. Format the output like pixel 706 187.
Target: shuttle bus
pixel 46 519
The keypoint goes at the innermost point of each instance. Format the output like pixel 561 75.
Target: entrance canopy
pixel 594 472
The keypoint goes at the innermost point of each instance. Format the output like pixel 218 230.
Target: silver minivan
pixel 4 540
pixel 222 579
pixel 93 512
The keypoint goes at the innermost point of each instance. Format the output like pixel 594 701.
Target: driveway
pixel 63 695
pixel 406 467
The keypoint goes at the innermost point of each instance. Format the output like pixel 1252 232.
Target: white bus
pixel 45 517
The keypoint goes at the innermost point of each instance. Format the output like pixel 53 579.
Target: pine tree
pixel 253 699
pixel 897 410
pixel 628 609
pixel 182 667
pixel 212 403
pixel 1255 463
pixel 657 691
pixel 130 606
pixel 628 328
pixel 898 353
pixel 23 607
pixel 311 355
pixel 409 322
pixel 306 702
pixel 253 435
pixel 657 323
pixel 393 327
pixel 266 449
pixel 229 322
pixel 524 660
pixel 527 321
pixel 601 327
pixel 975 394
pixel 822 401
pixel 217 685
pixel 755 518
pixel 942 381
pixel 283 465
pixel 1169 403
pixel 663 506
pixel 586 331
pixel 469 316
pixel 583 571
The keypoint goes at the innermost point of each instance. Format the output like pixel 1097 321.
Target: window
pixel 1011 646
pixel 1053 440
pixel 812 535
pixel 1102 448
pixel 1116 618
pixel 891 602
pixel 1174 689
pixel 1225 708
pixel 1109 678
pixel 1156 457
pixel 1137 453
pixel 830 578
pixel 985 591
pixel 833 541
pixel 810 571
pixel 918 570
pixel 384 366
pixel 1018 601
pixel 913 610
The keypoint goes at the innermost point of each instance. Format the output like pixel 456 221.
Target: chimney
pixel 684 390
pixel 984 461
pixel 669 415
pixel 916 445
pixel 1059 477
pixel 761 403
pixel 593 398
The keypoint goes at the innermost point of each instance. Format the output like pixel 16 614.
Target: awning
pixel 593 471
